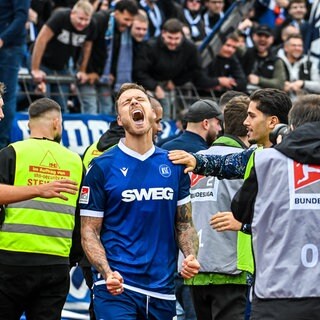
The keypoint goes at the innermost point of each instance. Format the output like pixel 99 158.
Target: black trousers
pixel 285 309
pixel 39 291
pixel 220 302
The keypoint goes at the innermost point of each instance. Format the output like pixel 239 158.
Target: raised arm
pixel 231 166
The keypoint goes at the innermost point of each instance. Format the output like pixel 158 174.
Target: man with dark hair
pixel 267 108
pixel 36 235
pixel 262 68
pixel 108 140
pixel 112 136
pixel 225 68
pixel 280 198
pixel 168 61
pixel 136 207
pixel 9 194
pixel 227 96
pixel 219 291
pixel 110 63
pixel 204 122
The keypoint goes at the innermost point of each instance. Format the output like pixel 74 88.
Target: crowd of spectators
pixel 155 43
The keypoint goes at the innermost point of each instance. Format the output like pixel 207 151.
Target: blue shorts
pixel 131 305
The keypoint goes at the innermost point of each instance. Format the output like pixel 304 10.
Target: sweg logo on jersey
pixel 147 194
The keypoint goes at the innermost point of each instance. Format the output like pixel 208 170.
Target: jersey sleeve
pixel 184 188
pixel 92 197
pixel 230 166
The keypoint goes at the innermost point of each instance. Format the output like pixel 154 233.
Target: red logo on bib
pixel 195 178
pixel 305 174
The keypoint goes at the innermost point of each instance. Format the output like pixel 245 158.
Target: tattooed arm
pixel 96 254
pixel 187 237
pixel 188 241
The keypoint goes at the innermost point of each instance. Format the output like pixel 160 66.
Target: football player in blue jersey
pixel 136 214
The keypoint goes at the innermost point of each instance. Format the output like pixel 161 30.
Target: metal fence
pixel 176 100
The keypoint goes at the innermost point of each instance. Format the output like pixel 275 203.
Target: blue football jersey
pixel 137 196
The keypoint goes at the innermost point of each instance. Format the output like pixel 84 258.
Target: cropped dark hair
pixel 235 112
pixel 129 5
pixel 41 106
pixel 272 102
pixel 173 26
pixel 228 95
pixel 305 109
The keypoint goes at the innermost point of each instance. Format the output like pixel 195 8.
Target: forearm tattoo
pixel 92 246
pixel 187 237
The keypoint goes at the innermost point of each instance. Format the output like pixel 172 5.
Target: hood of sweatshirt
pixel 302 144
pixel 110 137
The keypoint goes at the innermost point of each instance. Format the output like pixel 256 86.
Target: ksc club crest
pixel 165 171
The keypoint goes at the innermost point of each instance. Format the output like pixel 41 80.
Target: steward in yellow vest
pixel 36 235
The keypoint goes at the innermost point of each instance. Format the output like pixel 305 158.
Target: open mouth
pixel 137 116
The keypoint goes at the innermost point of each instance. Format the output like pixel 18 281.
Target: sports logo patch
pixel 165 171
pixel 195 178
pixel 84 195
pixel 305 174
pixel 305 186
pixel 124 171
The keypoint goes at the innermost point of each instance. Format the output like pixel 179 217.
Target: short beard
pixel 210 139
pixel 252 141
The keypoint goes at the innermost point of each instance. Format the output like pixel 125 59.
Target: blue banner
pixel 79 130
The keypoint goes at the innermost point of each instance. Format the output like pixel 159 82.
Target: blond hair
pixel 85 6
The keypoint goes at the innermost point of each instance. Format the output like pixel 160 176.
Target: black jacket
pixel 254 64
pixel 111 137
pixel 99 48
pixel 227 67
pixel 155 64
